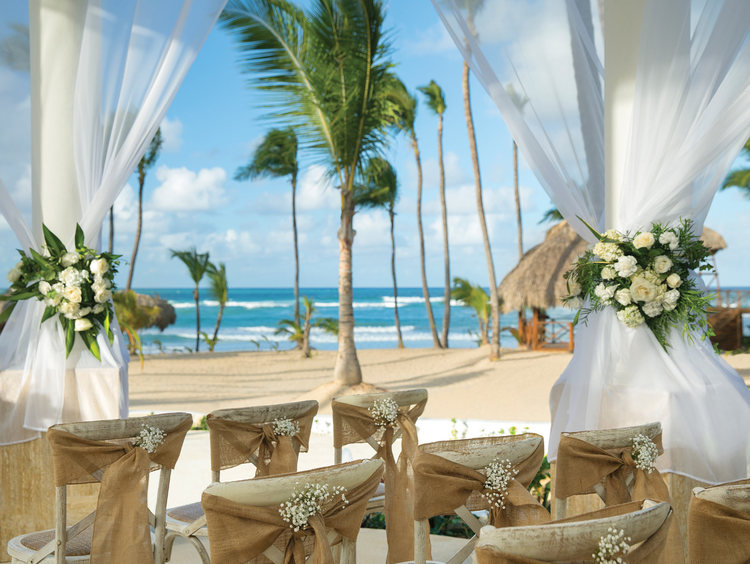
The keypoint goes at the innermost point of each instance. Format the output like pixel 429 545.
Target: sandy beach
pixel 461 382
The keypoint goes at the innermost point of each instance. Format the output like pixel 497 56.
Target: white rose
pixel 70 258
pixel 72 294
pixel 53 302
pixel 630 316
pixel 44 287
pixel 69 309
pixel 669 238
pixel 70 277
pixel 99 266
pixel 605 293
pixel 98 308
pixel 613 234
pixel 652 309
pixel 645 239
pixel 662 264
pixel 98 286
pixel 623 297
pixel 58 287
pixel 674 280
pixel 574 303
pixel 626 266
pixel 103 296
pixel 608 252
pixel 84 311
pixel 83 324
pixel 609 273
pixel 641 290
pixel 14 274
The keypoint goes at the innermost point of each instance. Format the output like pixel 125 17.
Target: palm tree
pixel 327 71
pixel 436 102
pixel 379 189
pixel 220 291
pixel 299 333
pixel 277 156
pixel 473 296
pixel 520 101
pixel 740 177
pixel 197 265
pixel 404 114
pixel 472 7
pixel 146 162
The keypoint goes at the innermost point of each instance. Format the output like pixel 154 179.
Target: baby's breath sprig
pixel 612 547
pixel 384 411
pixel 285 427
pixel 149 438
pixel 645 453
pixel 309 499
pixel 499 473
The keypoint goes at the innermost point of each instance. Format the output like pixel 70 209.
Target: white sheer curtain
pixel 133 58
pixel 691 115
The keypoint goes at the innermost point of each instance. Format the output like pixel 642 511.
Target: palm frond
pixel 196 263
pixel 378 186
pixel 275 156
pixel 434 97
pixel 219 286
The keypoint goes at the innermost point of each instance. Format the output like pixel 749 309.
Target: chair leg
pixel 421 530
pixel 198 545
pixel 168 544
pixel 348 551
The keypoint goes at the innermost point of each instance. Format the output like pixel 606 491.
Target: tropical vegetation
pixel 473 296
pixel 299 333
pixel 740 177
pixel 197 265
pixel 217 275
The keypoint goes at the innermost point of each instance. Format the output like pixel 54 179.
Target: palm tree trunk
pixel 517 196
pixel 347 369
pixel 296 248
pixel 425 289
pixel 111 228
pixel 218 322
pixel 138 227
pixel 494 301
pixel 306 333
pixel 446 250
pixel 393 274
pixel 196 297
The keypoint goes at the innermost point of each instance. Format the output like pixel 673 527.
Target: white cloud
pixel 314 192
pixel 373 229
pixel 454 173
pixel 432 40
pixel 171 133
pixel 184 190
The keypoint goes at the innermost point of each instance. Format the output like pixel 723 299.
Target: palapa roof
pixel 537 280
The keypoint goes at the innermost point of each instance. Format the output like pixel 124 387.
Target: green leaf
pixel 598 235
pixel 20 296
pixel 70 334
pixel 79 237
pixel 89 337
pixel 49 311
pixel 5 314
pixel 39 259
pixel 107 328
pixel 53 243
pixel 575 319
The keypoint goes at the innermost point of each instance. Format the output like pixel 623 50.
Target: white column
pixel 622 33
pixel 55 31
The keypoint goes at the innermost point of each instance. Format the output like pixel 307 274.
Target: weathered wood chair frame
pixel 608 439
pixel 576 540
pixel 116 430
pixel 402 398
pixel 734 496
pixel 475 454
pixel 256 415
pixel 275 490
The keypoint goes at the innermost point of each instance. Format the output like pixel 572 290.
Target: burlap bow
pixel 718 533
pixel 121 526
pixel 653 549
pixel 238 532
pixel 236 441
pixel 399 492
pixel 441 486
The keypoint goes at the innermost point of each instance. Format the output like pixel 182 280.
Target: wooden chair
pixel 569 541
pixel 272 491
pixel 719 523
pixel 344 435
pixel 475 454
pixel 608 439
pixel 188 521
pixel 73 544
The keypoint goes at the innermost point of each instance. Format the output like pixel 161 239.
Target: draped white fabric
pixel 133 57
pixel 691 115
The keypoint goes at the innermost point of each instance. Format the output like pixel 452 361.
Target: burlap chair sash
pixel 238 533
pixel 399 525
pixel 441 486
pixel 718 533
pixel 236 442
pixel 581 465
pixel 651 550
pixel 121 530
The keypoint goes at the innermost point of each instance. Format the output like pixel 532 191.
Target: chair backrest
pixel 735 496
pixel 576 540
pixel 343 434
pixel 117 431
pixel 301 411
pixel 719 523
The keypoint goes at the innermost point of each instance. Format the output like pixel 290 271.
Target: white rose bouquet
pixel 645 277
pixel 76 286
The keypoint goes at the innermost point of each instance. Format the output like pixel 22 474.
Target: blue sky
pixel 215 122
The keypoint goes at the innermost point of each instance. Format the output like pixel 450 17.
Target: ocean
pixel 252 314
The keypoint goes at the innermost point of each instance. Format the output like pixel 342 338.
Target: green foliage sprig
pixel 76 286
pixel 646 277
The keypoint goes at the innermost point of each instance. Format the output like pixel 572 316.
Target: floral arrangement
pixel 307 500
pixel 646 278
pixel 285 427
pixel 149 438
pixel 384 411
pixel 612 547
pixel 645 453
pixel 76 286
pixel 498 474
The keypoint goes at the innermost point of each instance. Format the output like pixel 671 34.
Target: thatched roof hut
pixel 537 280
